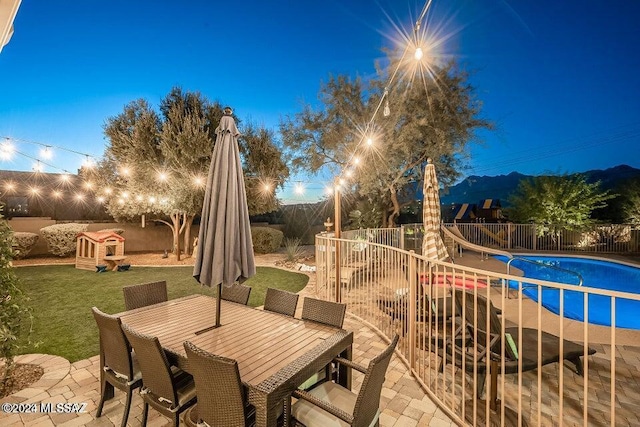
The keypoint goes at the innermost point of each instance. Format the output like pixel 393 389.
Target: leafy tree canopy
pixel 632 202
pixel 557 202
pixel 435 116
pixel 156 162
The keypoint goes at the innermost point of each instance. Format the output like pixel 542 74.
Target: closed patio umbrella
pixel 432 244
pixel 225 251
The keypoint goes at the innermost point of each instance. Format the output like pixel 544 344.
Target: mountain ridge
pixel 475 188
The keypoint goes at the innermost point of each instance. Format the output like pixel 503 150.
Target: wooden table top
pixel 262 342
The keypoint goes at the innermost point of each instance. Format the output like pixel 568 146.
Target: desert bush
pixel 119 231
pixel 265 239
pixel 13 309
pixel 292 249
pixel 61 238
pixel 22 243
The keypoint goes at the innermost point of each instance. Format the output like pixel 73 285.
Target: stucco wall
pixel 154 237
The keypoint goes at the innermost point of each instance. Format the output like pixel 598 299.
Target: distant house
pixel 459 212
pixel 490 210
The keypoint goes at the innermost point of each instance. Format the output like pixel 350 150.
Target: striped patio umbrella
pixel 225 250
pixel 432 244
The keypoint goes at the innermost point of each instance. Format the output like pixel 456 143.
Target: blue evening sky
pixel 559 78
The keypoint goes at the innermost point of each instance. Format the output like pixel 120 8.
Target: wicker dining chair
pixel 330 404
pixel 222 399
pixel 119 367
pixel 167 389
pixel 136 296
pixel 280 301
pixel 328 313
pixel 236 293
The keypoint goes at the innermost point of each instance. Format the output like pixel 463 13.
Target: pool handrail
pixel 580 281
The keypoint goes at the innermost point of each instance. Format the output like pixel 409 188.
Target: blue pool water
pixel 595 274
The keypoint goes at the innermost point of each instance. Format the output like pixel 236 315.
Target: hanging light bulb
pixel 386 111
pixel 369 141
pixel 37 166
pixel 418 53
pixel 46 153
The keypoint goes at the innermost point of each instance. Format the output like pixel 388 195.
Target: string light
pixel 88 162
pixel 299 189
pixel 198 181
pixel 37 166
pixel 46 153
pixel 386 111
pixel 418 54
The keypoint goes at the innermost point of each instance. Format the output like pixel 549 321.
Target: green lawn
pixel 62 297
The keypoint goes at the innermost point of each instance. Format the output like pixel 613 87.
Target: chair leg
pixel 176 419
pixel 481 380
pixel 579 368
pixel 145 412
pixel 127 407
pixel 102 395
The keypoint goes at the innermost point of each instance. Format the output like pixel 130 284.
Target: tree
pixel 632 202
pixel 264 171
pixel 433 117
pixel 557 203
pixel 14 311
pixel 156 163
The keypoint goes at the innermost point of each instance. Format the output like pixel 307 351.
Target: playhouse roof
pixel 101 236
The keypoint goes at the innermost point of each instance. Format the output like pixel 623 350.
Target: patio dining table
pixel 275 353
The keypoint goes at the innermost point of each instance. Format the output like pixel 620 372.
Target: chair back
pixel 368 400
pixel 221 397
pixel 156 372
pixel 236 293
pixel 113 344
pixel 485 309
pixel 136 296
pixel 326 312
pixel 280 301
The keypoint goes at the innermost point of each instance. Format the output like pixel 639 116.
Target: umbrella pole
pixel 218 305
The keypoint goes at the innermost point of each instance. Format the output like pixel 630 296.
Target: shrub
pixel 61 238
pixel 265 239
pixel 13 311
pixel 22 243
pixel 293 249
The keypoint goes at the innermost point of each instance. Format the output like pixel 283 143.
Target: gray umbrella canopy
pixel 225 251
pixel 432 244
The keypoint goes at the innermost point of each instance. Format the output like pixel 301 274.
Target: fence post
pixel 535 236
pixel 509 235
pixel 402 237
pixel 413 298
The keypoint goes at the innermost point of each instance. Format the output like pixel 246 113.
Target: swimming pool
pixel 596 274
